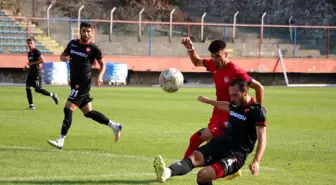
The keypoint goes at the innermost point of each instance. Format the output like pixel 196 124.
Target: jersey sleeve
pixel 243 75
pixel 259 116
pixel 97 53
pixel 209 64
pixel 67 49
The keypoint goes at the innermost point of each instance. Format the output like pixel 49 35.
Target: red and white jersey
pixel 222 78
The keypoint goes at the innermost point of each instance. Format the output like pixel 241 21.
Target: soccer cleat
pixel 58 143
pixel 116 127
pixel 31 108
pixel 55 98
pixel 232 176
pixel 160 169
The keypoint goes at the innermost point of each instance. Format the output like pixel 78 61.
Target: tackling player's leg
pixel 177 169
pixel 86 108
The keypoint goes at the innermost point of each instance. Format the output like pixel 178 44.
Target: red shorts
pixel 217 124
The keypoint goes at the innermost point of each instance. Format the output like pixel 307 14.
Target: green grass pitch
pixel 301 137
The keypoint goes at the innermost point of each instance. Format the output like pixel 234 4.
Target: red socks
pixel 195 142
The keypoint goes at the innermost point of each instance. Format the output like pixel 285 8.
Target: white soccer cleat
pixel 31 108
pixel 160 169
pixel 58 143
pixel 116 127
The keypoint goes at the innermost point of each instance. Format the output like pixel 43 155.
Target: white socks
pixel 112 124
pixel 61 137
pixel 168 173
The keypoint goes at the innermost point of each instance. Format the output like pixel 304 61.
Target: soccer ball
pixel 171 80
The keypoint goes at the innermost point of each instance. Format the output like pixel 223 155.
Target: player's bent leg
pixel 195 141
pixel 177 169
pixel 47 93
pixel 102 119
pixel 30 98
pixel 206 176
pixel 68 111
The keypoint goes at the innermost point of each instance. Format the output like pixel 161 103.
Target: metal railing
pixel 244 37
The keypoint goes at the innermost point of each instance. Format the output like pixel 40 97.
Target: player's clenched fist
pixel 254 168
pixel 187 43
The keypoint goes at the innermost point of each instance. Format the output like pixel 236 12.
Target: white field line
pixel 108 154
pixel 78 176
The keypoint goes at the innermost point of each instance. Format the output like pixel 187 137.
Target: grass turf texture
pixel 301 137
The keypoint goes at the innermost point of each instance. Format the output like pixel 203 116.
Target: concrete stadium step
pixel 8 12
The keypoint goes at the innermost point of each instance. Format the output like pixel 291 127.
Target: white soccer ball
pixel 171 80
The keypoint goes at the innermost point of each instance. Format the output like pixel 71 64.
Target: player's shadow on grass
pixel 79 182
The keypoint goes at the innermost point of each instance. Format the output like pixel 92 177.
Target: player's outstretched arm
pixel 194 57
pixel 222 105
pixel 261 136
pixel 259 90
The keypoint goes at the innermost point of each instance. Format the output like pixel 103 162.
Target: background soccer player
pixel 224 71
pixel 34 78
pixel 81 54
pixel 227 153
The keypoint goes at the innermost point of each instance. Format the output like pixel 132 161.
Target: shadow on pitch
pixel 79 182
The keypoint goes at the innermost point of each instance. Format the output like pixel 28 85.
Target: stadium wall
pixel 146 70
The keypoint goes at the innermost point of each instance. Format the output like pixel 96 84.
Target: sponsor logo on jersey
pixel 88 49
pixel 239 116
pixel 78 53
pixel 226 79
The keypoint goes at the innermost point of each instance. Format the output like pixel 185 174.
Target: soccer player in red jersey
pixel 224 71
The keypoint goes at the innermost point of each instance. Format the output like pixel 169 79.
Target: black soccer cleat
pixel 55 98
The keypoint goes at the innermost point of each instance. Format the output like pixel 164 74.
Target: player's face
pixel 237 97
pixel 31 45
pixel 85 34
pixel 219 58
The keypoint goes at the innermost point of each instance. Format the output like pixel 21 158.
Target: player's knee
pixel 197 158
pixel 204 176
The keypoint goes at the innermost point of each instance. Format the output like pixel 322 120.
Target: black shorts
pixel 34 80
pixel 80 95
pixel 216 152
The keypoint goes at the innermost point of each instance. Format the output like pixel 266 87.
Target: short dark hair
pixel 29 40
pixel 86 25
pixel 216 46
pixel 242 84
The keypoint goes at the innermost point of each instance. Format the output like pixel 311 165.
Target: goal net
pixel 288 84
